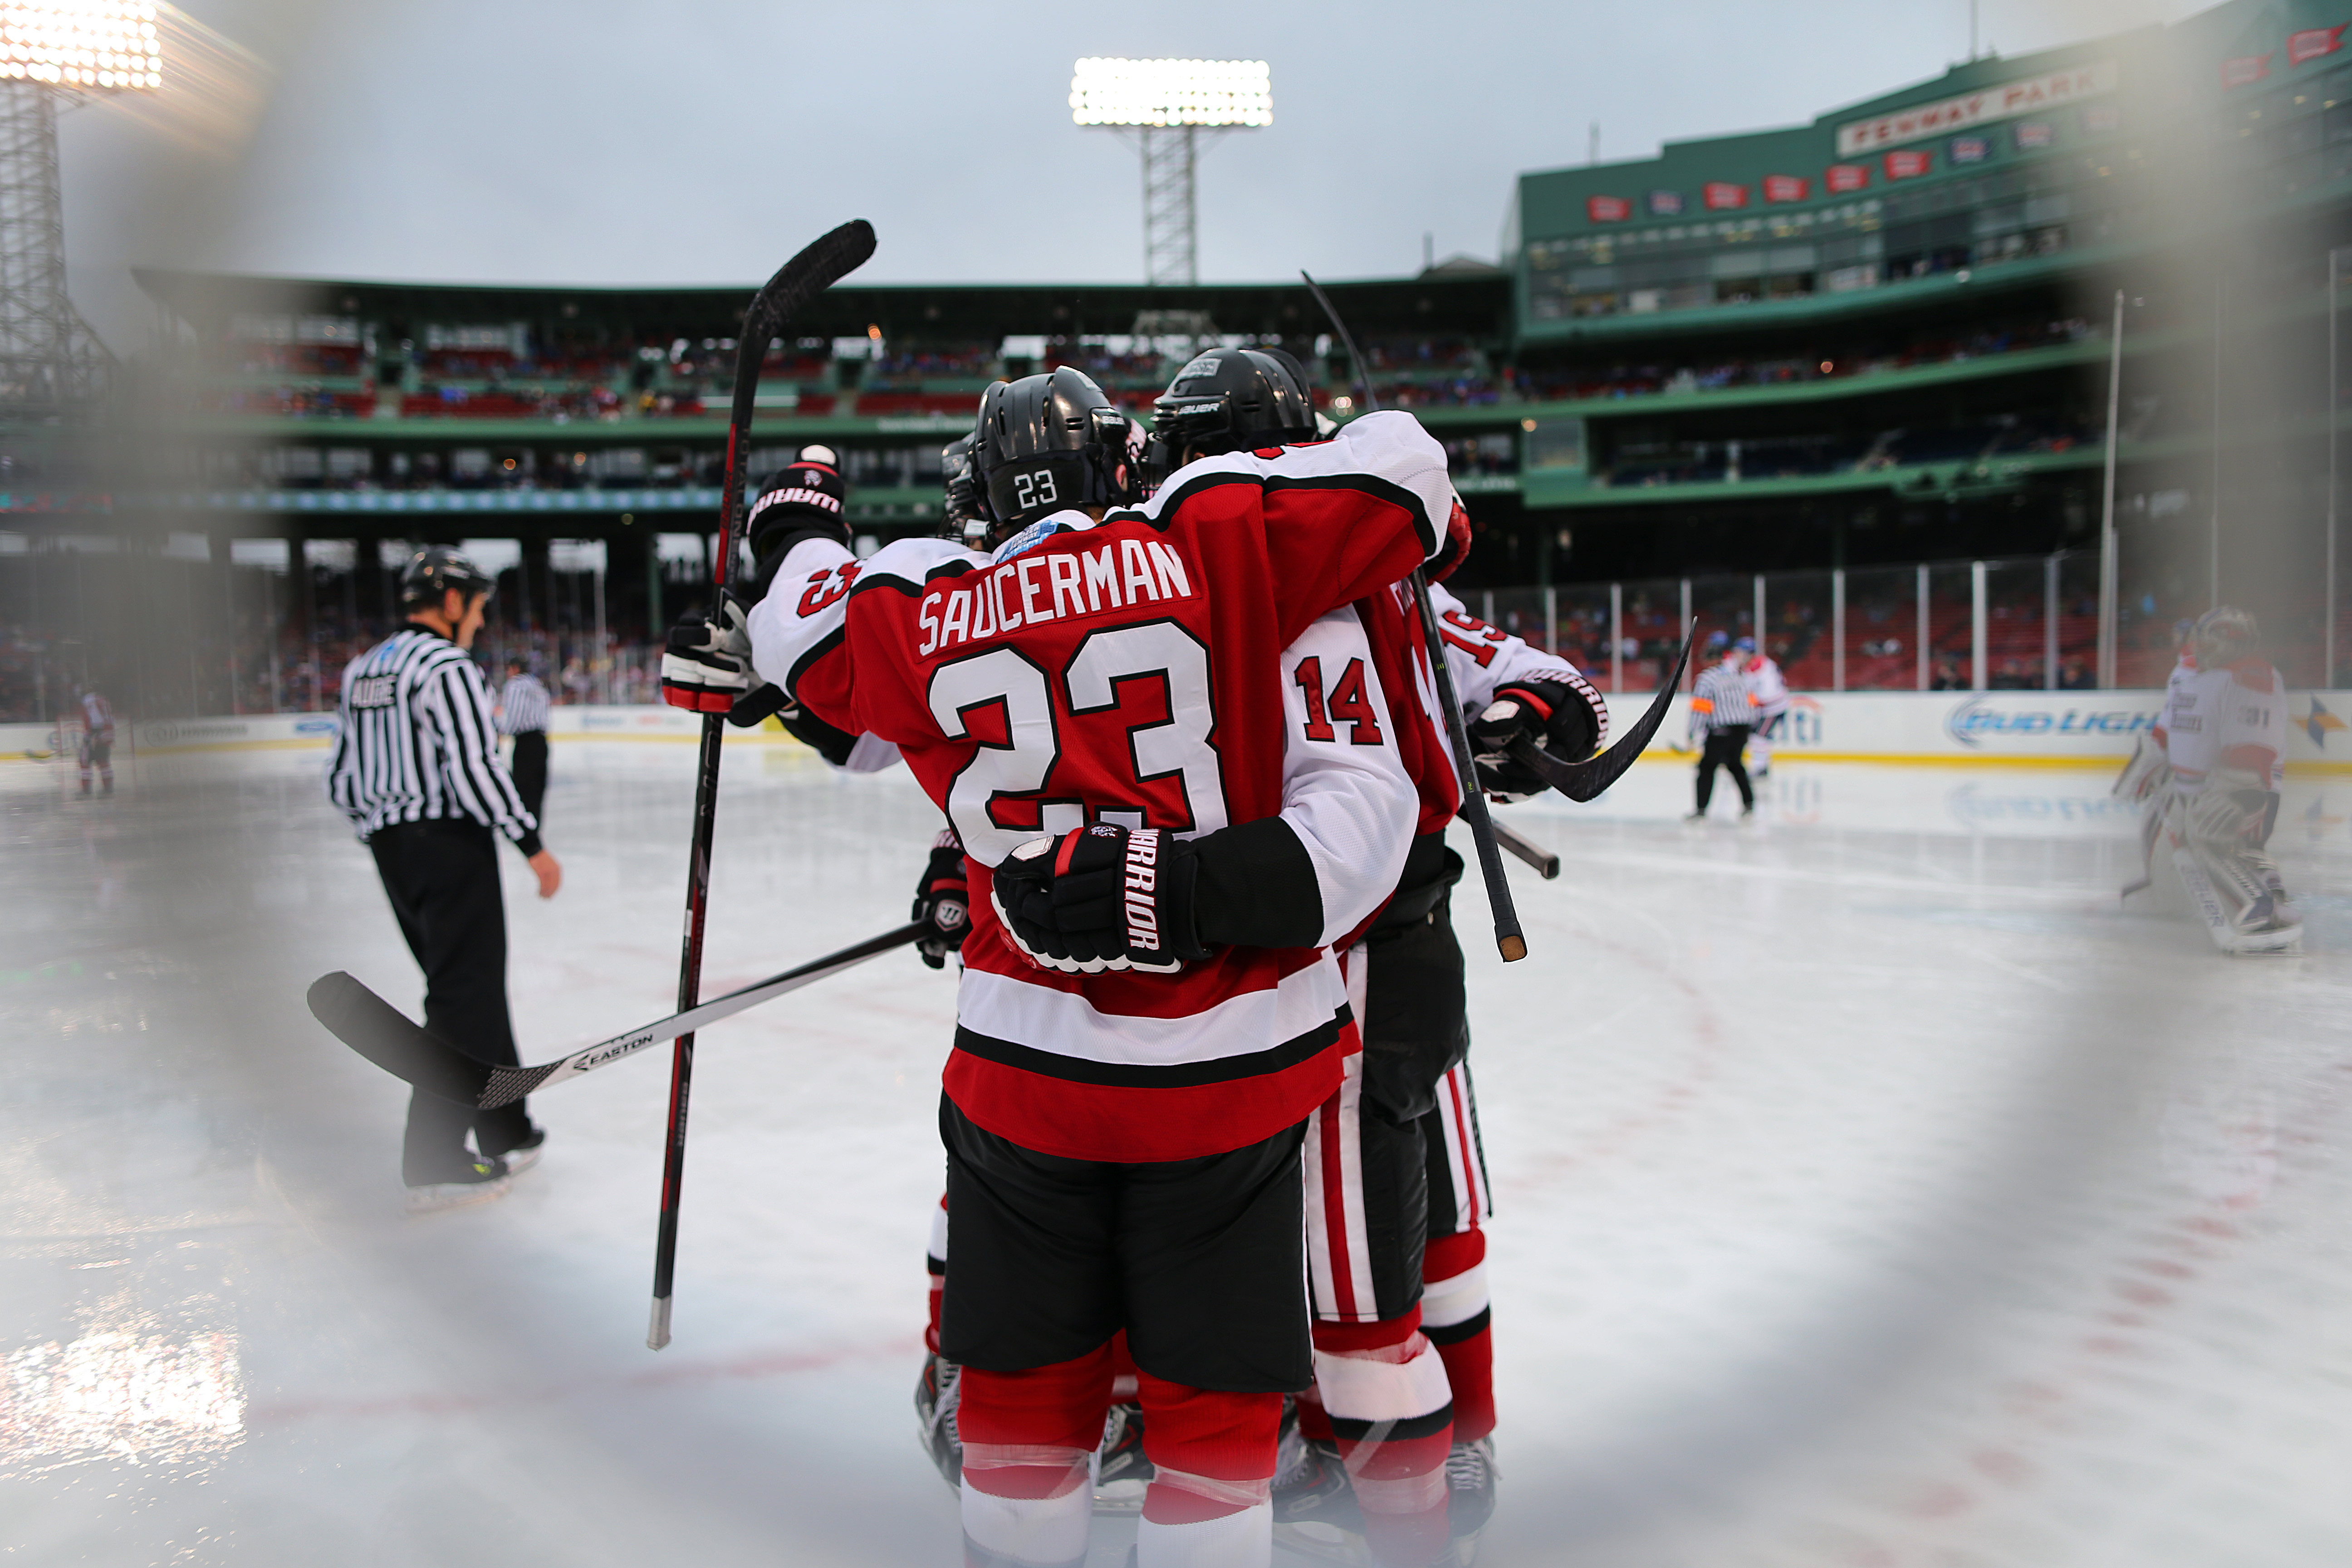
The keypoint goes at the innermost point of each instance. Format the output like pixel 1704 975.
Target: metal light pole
pixel 2214 535
pixel 2335 400
pixel 2107 556
pixel 1168 104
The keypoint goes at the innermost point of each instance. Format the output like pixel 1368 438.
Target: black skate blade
pixel 384 1036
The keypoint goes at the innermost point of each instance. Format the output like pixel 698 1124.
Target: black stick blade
pixel 822 262
pixel 1586 781
pixel 386 1037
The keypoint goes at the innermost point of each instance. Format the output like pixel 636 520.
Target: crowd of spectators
pixel 1541 383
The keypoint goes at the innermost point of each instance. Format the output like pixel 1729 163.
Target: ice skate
pixel 525 1154
pixel 1122 1470
pixel 1469 1496
pixel 935 1408
pixel 483 1181
pixel 1315 1512
pixel 2265 928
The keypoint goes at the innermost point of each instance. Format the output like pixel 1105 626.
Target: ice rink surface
pixel 1871 1192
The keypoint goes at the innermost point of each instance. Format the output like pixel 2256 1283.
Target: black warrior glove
pixel 942 902
pixel 1102 897
pixel 1555 715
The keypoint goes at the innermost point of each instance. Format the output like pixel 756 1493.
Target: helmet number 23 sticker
pixel 1035 487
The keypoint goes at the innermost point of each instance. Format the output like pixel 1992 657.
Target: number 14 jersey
pixel 1188 665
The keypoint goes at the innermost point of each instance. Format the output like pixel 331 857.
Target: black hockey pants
pixel 443 879
pixel 1723 749
pixel 529 769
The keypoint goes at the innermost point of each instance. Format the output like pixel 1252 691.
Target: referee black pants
pixel 529 769
pixel 443 879
pixel 1723 749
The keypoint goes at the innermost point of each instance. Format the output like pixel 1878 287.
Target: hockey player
pixel 1396 1190
pixel 2225 733
pixel 97 741
pixel 1768 694
pixel 1160 841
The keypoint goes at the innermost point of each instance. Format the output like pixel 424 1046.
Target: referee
pixel 522 713
pixel 1720 708
pixel 416 769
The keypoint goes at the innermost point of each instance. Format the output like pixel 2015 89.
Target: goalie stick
pixel 1586 780
pixel 385 1035
pixel 1508 938
pixel 799 281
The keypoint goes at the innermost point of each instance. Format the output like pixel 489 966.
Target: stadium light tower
pixel 51 49
pixel 1166 104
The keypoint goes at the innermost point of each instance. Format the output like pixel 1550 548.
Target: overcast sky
pixel 704 141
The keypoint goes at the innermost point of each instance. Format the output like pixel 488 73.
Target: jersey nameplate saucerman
pixel 1184 666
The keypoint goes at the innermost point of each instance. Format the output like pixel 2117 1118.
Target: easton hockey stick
pixel 1508 938
pixel 797 282
pixel 385 1035
pixel 1585 781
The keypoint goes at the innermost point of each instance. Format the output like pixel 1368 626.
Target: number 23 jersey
pixel 1188 665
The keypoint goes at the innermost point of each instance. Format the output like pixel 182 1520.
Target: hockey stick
pixel 1508 938
pixel 1546 863
pixel 799 281
pixel 384 1036
pixel 2151 830
pixel 1585 781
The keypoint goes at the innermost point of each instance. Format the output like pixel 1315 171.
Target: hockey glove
pixel 706 667
pixel 942 902
pixel 1101 897
pixel 1562 717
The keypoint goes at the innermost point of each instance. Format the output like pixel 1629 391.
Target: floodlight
pixel 1167 106
pixel 1171 92
pixel 107 44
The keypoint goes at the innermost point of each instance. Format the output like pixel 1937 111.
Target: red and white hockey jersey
pixel 1481 659
pixel 2233 718
pixel 1154 669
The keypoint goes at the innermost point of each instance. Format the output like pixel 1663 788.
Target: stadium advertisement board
pixel 2007 728
pixel 2028 95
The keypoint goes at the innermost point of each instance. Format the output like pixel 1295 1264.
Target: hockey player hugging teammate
pixel 1165 831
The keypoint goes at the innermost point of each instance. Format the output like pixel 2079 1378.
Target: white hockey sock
pixel 1445 1303
pixel 1046 1532
pixel 1243 1540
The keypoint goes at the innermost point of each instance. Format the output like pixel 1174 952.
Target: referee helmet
pixel 433 571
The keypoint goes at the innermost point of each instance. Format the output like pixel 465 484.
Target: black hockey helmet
pixel 1231 400
pixel 967 514
pixel 433 571
pixel 1047 443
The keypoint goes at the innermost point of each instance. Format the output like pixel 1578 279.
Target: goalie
pixel 2223 730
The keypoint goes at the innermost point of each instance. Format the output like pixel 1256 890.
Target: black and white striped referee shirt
pixel 522 705
pixel 1720 701
pixel 415 743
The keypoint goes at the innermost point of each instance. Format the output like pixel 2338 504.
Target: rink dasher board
pixel 1935 729
pixel 2005 728
pixel 316 731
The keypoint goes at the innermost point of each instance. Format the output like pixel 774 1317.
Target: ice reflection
pixel 117 1394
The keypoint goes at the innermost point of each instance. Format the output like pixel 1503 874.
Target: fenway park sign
pixel 2032 95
